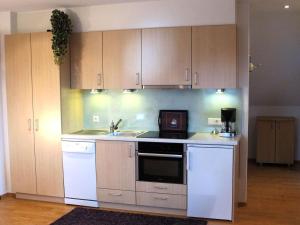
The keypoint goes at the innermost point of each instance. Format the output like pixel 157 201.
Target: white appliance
pixel 79 162
pixel 210 181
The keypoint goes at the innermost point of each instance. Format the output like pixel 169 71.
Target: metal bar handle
pixel 137 78
pixel 99 79
pixel 115 194
pixel 37 126
pixel 29 124
pixel 187 74
pixel 196 78
pixel 188 160
pixel 130 151
pixel 161 198
pixel 161 155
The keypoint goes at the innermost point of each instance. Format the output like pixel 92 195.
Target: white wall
pixel 164 13
pixel 274 86
pixel 5 27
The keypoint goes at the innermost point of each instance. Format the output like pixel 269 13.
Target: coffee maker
pixel 228 119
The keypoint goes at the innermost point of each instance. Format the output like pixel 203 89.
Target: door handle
pixel 129 151
pixel 137 78
pixel 196 78
pixel 29 124
pixel 99 82
pixel 187 74
pixel 37 125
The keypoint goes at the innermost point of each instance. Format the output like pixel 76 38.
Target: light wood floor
pixel 273 199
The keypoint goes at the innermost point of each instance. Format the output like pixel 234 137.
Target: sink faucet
pixel 113 127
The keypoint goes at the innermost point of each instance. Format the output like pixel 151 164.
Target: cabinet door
pixel 122 59
pixel 166 56
pixel 265 151
pixel 115 162
pixel 285 141
pixel 86 60
pixel 210 182
pixel 214 56
pixel 19 112
pixel 47 120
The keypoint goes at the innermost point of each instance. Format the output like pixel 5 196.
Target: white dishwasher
pixel 79 162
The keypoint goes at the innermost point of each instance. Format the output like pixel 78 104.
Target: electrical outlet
pixel 214 121
pixel 96 118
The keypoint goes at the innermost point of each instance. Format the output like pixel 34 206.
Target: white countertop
pixel 198 138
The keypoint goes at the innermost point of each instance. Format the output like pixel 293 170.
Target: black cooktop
pixel 166 135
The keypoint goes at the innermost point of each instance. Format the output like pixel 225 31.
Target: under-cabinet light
pixel 220 91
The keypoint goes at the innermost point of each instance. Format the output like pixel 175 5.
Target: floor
pixel 273 199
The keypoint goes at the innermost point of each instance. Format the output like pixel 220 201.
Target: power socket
pixel 96 118
pixel 214 122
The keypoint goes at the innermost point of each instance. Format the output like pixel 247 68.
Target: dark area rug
pixel 86 216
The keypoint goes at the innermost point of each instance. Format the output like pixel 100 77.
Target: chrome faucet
pixel 113 127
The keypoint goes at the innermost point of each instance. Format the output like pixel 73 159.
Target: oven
pixel 161 162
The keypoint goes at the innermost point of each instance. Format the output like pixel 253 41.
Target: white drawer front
pixel 116 196
pixel 161 200
pixel 175 189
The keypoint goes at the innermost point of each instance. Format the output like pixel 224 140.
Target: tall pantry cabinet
pixel 34 120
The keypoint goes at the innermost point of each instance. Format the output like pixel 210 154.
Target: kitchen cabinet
pixel 115 166
pixel 211 181
pixel 214 56
pixel 86 60
pixel 275 140
pixel 166 56
pixel 122 59
pixel 33 84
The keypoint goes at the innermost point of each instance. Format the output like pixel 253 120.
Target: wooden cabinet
pixel 115 162
pixel 86 60
pixel 20 123
pixel 214 56
pixel 166 56
pixel 275 140
pixel 122 59
pixel 33 85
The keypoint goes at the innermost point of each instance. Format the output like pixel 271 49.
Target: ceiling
pixel 274 5
pixel 26 5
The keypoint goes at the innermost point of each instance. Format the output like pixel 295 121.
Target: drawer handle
pixel 161 198
pixel 115 194
pixel 161 187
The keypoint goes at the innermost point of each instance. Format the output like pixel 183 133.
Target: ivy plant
pixel 61 31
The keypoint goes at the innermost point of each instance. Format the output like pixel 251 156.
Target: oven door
pixel 163 168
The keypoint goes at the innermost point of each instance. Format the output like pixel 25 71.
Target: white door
pixel 210 181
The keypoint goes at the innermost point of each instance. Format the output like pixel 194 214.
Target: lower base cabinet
pixel 116 196
pixel 210 181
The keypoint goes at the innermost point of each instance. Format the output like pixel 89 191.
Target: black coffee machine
pixel 228 119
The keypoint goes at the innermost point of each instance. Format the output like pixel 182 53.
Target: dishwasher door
pixel 79 161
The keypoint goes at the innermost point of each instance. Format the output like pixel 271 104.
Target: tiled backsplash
pixel 139 110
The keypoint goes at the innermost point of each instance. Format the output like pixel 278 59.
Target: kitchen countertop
pixel 197 138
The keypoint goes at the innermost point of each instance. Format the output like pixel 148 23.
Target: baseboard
pixel 143 209
pixel 8 195
pixel 40 198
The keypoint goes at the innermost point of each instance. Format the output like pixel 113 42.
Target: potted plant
pixel 61 31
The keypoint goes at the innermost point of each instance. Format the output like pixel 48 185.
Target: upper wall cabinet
pixel 122 59
pixel 166 56
pixel 86 60
pixel 214 56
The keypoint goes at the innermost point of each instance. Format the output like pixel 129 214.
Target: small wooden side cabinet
pixel 275 140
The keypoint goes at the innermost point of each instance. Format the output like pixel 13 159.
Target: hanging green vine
pixel 61 31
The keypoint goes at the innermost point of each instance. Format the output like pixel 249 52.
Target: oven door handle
pixel 161 155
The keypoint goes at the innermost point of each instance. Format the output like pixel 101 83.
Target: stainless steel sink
pixel 126 133
pixel 92 132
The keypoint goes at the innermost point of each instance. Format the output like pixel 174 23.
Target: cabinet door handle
pixel 115 194
pixel 187 74
pixel 161 198
pixel 99 80
pixel 160 187
pixel 130 151
pixel 29 124
pixel 188 160
pixel 37 125
pixel 196 78
pixel 137 78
